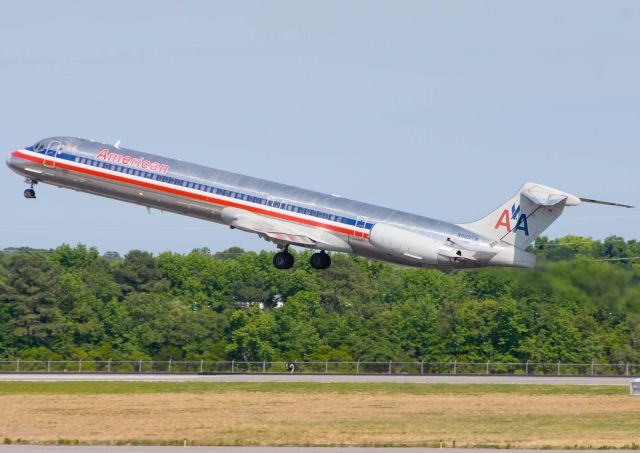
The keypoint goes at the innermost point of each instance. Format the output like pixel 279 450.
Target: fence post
pixel 526 368
pixel 326 366
pixel 49 366
pixel 170 362
pixel 455 366
pixel 109 366
pixel 140 366
pixel 558 367
pixel 626 370
pixel 358 367
pixel 18 366
pixel 80 366
pixel 487 367
pixel 201 365
pixel 233 365
pixel 422 367
pixel 264 366
pixel 592 368
pixel 389 366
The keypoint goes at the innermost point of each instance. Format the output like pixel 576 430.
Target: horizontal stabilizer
pixel 608 203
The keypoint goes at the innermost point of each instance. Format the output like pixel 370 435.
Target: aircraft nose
pixel 10 161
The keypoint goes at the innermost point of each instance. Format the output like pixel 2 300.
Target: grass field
pixel 301 414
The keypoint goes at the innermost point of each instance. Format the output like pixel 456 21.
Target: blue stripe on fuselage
pixel 171 180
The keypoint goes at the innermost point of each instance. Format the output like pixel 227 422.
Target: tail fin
pixel 521 219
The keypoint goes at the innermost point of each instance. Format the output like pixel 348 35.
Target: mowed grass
pixel 304 414
pixel 98 388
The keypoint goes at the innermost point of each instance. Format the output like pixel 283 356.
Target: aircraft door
pixel 361 222
pixel 53 149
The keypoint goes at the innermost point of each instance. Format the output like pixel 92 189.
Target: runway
pixel 320 378
pixel 130 449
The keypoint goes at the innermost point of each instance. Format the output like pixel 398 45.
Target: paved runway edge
pixel 320 378
pixel 132 449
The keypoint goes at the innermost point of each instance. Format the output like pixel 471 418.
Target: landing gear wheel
pixel 283 260
pixel 320 260
pixel 29 193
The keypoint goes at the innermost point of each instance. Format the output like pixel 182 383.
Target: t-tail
pixel 520 220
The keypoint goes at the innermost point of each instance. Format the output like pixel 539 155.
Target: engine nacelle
pixel 405 244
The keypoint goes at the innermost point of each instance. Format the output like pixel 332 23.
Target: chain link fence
pixel 391 367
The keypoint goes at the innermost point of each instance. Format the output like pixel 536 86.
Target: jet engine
pixel 419 248
pixel 406 244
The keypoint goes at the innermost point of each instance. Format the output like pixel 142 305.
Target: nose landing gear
pixel 30 193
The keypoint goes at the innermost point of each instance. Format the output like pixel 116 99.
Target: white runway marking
pixel 321 378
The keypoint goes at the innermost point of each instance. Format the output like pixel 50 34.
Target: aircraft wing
pixel 255 224
pixel 284 233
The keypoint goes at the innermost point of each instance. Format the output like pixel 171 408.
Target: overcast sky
pixel 439 108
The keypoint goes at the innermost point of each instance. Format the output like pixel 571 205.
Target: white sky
pixel 439 108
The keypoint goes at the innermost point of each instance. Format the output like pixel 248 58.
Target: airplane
pixel 290 216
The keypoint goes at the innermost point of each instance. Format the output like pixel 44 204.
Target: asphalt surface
pixel 458 379
pixel 129 449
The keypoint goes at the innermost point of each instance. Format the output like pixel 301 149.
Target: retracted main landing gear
pixel 30 193
pixel 320 260
pixel 283 260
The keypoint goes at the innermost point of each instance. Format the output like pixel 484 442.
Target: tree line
pixel 581 303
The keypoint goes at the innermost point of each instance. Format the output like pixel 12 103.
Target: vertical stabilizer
pixel 522 218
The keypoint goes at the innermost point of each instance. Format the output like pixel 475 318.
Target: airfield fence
pixel 327 367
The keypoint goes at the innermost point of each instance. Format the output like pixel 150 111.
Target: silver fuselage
pixel 202 192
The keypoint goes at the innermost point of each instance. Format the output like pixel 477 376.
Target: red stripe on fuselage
pixel 171 190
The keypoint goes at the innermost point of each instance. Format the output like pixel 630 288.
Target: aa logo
pixel 506 217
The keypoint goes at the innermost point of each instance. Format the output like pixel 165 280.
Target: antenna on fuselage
pixel 117 145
